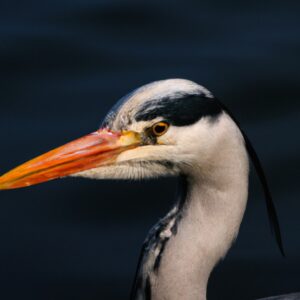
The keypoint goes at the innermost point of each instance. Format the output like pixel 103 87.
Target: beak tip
pixel 6 183
pixel 3 185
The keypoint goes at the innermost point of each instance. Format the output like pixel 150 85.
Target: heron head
pixel 178 124
pixel 164 128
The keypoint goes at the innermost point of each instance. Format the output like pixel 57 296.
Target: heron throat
pixel 182 249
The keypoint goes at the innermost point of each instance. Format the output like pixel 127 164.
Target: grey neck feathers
pixel 183 248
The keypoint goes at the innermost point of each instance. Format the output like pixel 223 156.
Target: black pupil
pixel 160 129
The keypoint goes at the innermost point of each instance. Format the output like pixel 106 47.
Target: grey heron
pixel 171 127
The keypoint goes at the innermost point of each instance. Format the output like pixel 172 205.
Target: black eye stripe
pixel 181 111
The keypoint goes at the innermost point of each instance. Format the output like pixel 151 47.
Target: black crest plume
pixel 273 218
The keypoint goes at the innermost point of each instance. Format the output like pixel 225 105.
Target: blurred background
pixel 63 64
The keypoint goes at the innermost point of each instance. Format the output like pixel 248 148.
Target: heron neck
pixel 211 216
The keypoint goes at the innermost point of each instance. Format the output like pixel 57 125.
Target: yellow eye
pixel 160 128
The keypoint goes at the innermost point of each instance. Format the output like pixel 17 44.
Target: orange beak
pixel 96 149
